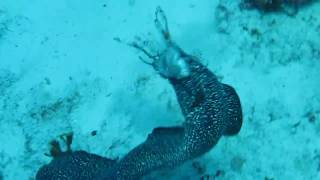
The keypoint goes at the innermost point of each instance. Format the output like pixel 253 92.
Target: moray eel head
pixel 172 63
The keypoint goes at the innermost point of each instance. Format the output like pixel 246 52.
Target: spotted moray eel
pixel 211 109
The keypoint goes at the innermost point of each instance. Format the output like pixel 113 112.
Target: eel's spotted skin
pixel 211 109
pixel 78 165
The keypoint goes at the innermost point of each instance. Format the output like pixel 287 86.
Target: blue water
pixel 63 69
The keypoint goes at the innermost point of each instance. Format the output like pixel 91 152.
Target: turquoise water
pixel 62 70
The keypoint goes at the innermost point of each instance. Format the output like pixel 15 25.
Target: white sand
pixel 61 71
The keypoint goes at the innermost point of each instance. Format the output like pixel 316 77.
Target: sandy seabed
pixel 62 71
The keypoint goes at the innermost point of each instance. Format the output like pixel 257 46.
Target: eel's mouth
pixel 172 63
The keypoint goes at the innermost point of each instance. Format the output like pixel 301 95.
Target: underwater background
pixel 61 71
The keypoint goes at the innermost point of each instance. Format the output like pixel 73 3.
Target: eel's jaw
pixel 173 63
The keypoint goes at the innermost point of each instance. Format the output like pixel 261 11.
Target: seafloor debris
pixel 4 21
pixel 214 176
pixel 199 167
pixel 7 79
pixel 222 17
pixel 266 5
pixel 317 159
pixel 55 149
pixel 237 163
pixel 94 133
pixel 205 177
pixel 12 24
pixel 311 116
pixel 219 173
pixel 290 7
pixel 268 178
pixel 59 107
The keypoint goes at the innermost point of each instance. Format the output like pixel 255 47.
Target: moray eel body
pixel 78 165
pixel 211 109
